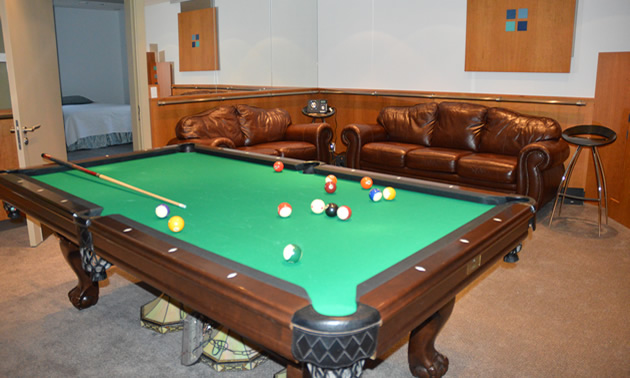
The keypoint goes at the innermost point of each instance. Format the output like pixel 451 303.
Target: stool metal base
pixel 602 193
pixel 601 188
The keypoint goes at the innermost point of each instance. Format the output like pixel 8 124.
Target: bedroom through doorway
pixel 93 73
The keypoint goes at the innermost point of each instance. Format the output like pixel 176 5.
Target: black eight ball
pixel 331 209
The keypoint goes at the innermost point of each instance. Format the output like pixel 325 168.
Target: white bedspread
pixel 88 120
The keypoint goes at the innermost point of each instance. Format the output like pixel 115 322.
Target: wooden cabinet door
pixel 612 109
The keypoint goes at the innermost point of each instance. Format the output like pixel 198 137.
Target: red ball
pixel 330 187
pixel 344 213
pixel 284 210
pixel 278 166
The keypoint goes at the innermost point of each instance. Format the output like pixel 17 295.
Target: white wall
pixel 379 44
pixel 92 54
pixel 421 45
pixel 254 36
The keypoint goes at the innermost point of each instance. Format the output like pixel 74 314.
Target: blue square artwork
pixel 522 26
pixel 511 14
pixel 510 26
pixel 522 13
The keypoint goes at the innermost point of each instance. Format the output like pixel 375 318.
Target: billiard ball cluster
pixel 175 223
pixel 292 253
pixel 376 194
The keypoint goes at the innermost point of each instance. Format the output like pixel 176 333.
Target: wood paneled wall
pixel 612 109
pixel 363 106
pixel 165 112
pixel 8 150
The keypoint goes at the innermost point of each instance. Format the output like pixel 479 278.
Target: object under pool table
pixel 361 285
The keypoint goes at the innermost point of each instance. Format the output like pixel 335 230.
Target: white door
pixel 28 29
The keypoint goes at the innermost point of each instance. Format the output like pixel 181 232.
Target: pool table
pixel 391 270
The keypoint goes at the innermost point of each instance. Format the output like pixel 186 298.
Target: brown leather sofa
pixel 248 128
pixel 464 144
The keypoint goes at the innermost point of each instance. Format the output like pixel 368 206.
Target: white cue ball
pixel 318 206
pixel 162 211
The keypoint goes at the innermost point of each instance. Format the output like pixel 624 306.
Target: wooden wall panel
pixel 198 40
pixel 152 68
pixel 8 150
pixel 545 46
pixel 612 109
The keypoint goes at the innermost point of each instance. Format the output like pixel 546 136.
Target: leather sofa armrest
pixel 319 134
pixel 210 142
pixel 354 136
pixel 540 169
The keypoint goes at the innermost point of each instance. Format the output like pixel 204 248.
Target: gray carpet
pixel 562 311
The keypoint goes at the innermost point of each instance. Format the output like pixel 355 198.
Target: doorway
pixel 92 55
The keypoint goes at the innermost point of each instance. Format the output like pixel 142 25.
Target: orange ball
pixel 366 182
pixel 331 178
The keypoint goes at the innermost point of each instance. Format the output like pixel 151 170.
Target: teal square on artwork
pixel 510 26
pixel 522 13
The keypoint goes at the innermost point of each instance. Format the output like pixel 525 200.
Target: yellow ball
pixel 176 223
pixel 389 193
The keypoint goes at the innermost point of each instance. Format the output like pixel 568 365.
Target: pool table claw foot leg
pixel 85 294
pixel 424 360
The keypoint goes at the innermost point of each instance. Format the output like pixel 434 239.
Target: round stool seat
pixel 589 135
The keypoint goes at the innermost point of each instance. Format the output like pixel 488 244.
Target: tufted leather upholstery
pixel 249 128
pixel 462 143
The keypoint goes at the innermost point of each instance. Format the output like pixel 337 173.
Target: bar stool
pixel 592 136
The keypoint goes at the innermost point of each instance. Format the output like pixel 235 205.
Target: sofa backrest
pixel 262 125
pixel 221 121
pixel 466 126
pixel 409 124
pixel 507 132
pixel 459 125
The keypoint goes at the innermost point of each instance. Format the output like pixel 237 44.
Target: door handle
pixel 26 129
pixel 30 129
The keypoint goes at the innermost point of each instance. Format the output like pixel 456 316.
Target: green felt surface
pixel 232 211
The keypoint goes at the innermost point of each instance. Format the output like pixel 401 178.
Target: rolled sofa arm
pixel 210 142
pixel 540 169
pixel 354 136
pixel 319 134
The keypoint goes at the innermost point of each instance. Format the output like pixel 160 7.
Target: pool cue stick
pixel 110 179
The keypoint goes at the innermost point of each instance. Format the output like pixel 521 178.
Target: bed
pixel 90 125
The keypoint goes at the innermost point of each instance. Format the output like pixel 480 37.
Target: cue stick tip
pixel 181 205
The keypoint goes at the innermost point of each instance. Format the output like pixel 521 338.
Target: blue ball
pixel 376 195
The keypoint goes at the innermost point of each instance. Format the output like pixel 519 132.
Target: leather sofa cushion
pixel 262 125
pixel 488 167
pixel 459 126
pixel 295 149
pixel 410 124
pixel 257 149
pixel 387 153
pixel 435 159
pixel 221 121
pixel 507 132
